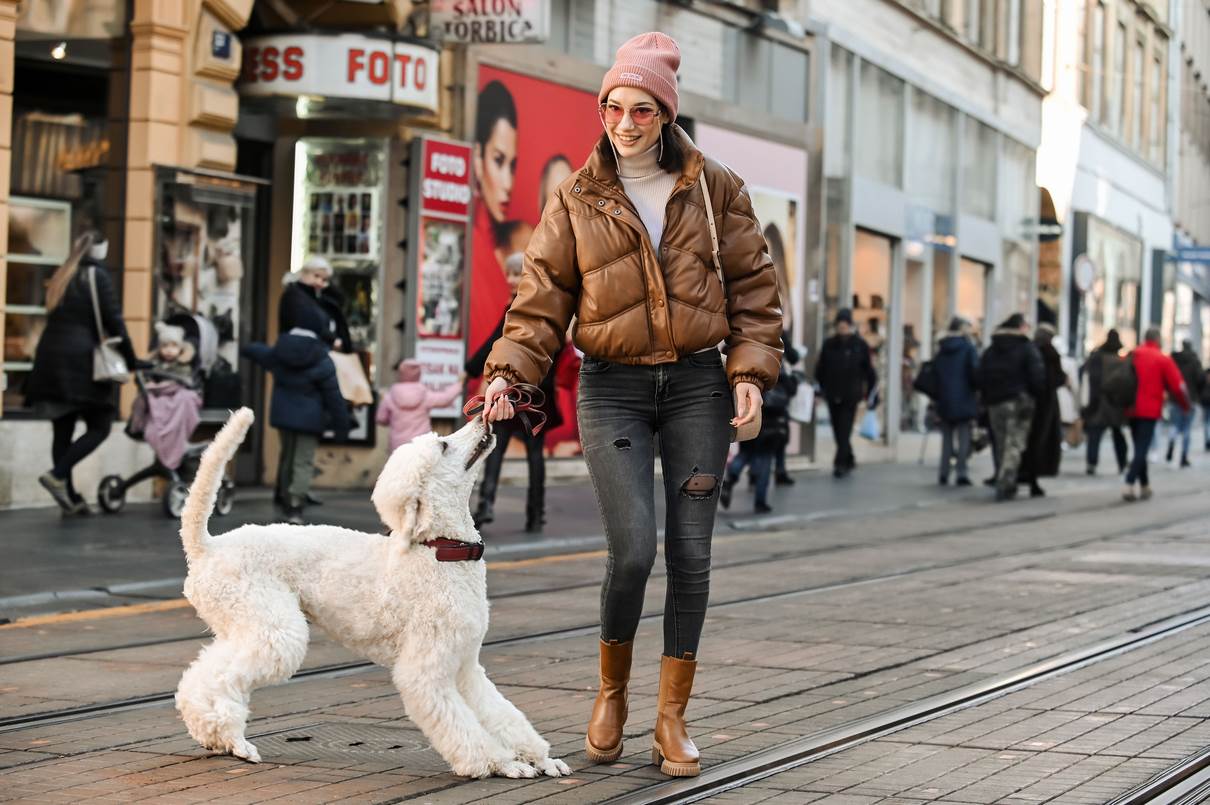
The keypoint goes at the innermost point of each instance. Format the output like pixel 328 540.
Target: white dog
pixel 386 598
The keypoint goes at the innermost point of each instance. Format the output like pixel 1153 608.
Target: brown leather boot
pixel 673 750
pixel 604 740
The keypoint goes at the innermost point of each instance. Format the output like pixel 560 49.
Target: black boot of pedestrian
pixel 1171 447
pixel 724 493
pixel 294 510
pixel 1185 461
pixel 762 508
pixel 784 479
pixel 1036 491
pixel 484 514
pixel 535 518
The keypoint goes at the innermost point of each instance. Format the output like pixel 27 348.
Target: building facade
pixel 933 113
pixel 219 144
pixel 1105 164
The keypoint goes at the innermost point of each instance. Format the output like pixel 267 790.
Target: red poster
pixel 529 136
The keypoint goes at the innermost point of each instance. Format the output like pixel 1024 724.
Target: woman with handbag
pixel 78 364
pixel 627 247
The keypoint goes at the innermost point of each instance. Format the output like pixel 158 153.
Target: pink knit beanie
pixel 409 371
pixel 648 62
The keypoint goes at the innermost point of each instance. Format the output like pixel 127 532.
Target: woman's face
pixel 495 167
pixel 315 279
pixel 554 177
pixel 631 137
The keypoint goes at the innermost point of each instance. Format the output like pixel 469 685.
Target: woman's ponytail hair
pixel 56 287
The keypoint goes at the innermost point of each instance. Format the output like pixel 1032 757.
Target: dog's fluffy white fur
pixel 385 598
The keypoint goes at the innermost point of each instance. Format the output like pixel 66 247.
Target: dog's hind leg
pixel 214 692
pixel 503 720
pixel 433 702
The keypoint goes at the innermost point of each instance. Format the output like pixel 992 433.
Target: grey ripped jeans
pixel 622 409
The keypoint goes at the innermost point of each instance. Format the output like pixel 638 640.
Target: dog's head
pixel 425 488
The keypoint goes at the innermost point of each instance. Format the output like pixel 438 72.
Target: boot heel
pixel 667 767
pixel 656 757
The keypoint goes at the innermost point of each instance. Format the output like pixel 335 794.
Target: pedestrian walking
pixel 845 374
pixel 1155 372
pixel 406 407
pixel 306 303
pixel 306 402
pixel 1044 450
pixel 781 476
pixel 956 364
pixel 622 245
pixel 83 308
pixel 1182 420
pixel 759 455
pixel 1099 413
pixel 1011 377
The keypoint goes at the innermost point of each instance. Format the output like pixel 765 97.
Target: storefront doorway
pixel 873 263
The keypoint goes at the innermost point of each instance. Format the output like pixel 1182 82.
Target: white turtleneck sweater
pixel 648 187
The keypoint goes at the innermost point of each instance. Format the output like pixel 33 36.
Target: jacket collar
pixel 603 170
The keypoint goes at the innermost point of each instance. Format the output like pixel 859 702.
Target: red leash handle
pixel 526 398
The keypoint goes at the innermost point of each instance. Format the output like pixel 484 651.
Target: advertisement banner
pixel 439 231
pixel 521 153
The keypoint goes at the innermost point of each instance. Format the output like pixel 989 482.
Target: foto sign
pixel 491 21
pixel 445 180
pixel 342 66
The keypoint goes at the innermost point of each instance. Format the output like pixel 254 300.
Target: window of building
pixel 1012 31
pixel 931 164
pixel 879 136
pixel 838 149
pixel 1117 80
pixel 1096 100
pixel 1158 136
pixel 978 169
pixel 1082 52
pixel 1136 98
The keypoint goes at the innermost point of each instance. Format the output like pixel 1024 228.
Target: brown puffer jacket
pixel 591 257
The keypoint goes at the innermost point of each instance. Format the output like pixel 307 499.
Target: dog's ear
pixel 400 486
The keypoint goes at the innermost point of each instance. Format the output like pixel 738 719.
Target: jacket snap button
pixel 659 303
pixel 601 203
pixel 576 189
pixel 617 212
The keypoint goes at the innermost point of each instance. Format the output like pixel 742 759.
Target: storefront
pixel 1107 281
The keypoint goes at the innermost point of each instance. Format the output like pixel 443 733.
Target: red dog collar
pixel 453 550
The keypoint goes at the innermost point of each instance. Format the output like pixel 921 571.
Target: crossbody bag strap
pixel 701 180
pixel 96 307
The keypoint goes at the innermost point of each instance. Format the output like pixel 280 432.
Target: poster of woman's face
pixel 530 135
pixel 439 306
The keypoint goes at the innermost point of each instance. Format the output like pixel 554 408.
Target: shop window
pixel 879 130
pixel 202 280
pixel 978 169
pixel 1113 300
pixel 931 165
pixel 971 295
pixel 941 291
pixel 872 256
pixel 838 228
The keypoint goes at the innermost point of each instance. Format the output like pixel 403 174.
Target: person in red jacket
pixel 1156 372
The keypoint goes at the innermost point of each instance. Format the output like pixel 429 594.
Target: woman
pixel 306 305
pixel 625 246
pixel 956 362
pixel 1044 451
pixel 61 385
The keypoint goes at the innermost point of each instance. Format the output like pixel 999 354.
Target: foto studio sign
pixel 342 66
pixel 491 21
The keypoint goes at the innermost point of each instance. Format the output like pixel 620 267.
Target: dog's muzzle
pixel 481 447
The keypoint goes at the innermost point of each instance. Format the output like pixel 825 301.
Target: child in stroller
pixel 165 414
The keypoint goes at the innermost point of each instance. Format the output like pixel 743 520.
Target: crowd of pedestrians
pixel 1014 389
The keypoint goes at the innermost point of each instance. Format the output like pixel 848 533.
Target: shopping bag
pixel 802 404
pixel 354 386
pixel 870 428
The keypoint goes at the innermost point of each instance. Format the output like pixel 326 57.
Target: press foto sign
pixel 491 20
pixel 343 66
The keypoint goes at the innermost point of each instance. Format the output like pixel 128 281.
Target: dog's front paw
pixel 552 767
pixel 513 768
pixel 245 750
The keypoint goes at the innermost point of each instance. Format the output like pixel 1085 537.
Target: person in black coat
pixel 1044 452
pixel 760 453
pixel 61 387
pixel 956 363
pixel 535 445
pixel 308 302
pixel 306 403
pixel 1011 377
pixel 1099 414
pixel 845 373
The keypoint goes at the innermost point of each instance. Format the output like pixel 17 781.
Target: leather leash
pixel 526 398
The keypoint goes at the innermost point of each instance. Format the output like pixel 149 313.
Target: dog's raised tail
pixel 204 491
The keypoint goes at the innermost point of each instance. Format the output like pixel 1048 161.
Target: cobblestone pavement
pixel 810 628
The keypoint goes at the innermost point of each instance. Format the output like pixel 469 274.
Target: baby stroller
pixel 111 494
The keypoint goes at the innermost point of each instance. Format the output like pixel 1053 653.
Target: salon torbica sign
pixel 499 21
pixel 341 66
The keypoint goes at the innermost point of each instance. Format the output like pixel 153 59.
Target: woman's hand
pixel 495 405
pixel 748 401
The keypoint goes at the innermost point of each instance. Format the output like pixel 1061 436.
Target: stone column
pixel 8 31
